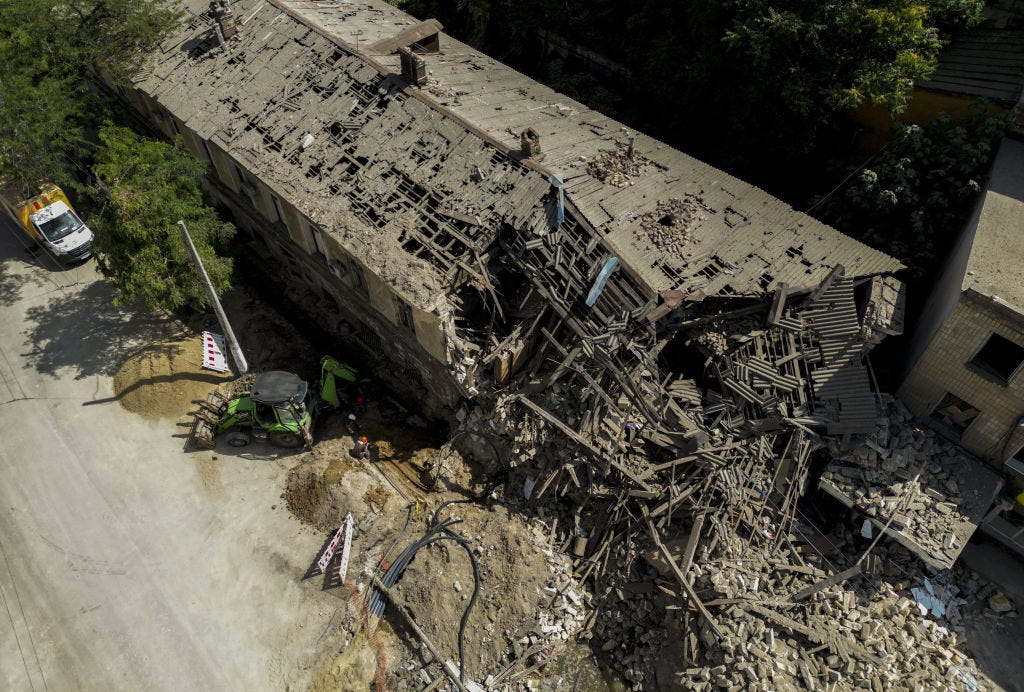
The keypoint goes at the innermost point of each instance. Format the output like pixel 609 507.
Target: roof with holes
pixel 437 170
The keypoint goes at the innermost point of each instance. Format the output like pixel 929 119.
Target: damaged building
pixel 968 354
pixel 397 183
pixel 670 351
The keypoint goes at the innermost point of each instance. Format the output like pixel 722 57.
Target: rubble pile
pixel 661 454
pixel 930 490
pixel 567 609
pixel 668 227
pixel 676 494
pixel 617 167
pixel 843 637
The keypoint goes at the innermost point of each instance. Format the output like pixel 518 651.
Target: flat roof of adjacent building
pixel 996 263
pixel 303 67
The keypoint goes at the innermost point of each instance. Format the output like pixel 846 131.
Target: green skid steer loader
pixel 280 407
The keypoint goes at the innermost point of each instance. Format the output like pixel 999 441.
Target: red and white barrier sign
pixel 346 547
pixel 213 352
pixel 342 535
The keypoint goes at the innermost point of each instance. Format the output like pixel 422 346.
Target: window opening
pixel 405 315
pixel 999 357
pixel 359 279
pixel 319 247
pixel 955 413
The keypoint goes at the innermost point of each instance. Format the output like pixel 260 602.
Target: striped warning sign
pixel 346 548
pixel 213 352
pixel 343 536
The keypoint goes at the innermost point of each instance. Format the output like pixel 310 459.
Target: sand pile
pixel 164 378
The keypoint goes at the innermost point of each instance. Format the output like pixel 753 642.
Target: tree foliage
pixel 745 84
pixel 912 198
pixel 50 51
pixel 145 187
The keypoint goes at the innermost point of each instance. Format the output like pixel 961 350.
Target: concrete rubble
pixel 933 493
pixel 683 520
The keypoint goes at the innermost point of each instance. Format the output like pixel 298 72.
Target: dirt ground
pixel 392 497
pixel 438 584
pixel 164 378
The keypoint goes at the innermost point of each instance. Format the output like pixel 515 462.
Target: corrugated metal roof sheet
pixel 986 62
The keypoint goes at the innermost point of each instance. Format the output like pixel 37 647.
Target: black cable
pixel 439 531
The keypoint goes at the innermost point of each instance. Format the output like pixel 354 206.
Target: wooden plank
pixel 681 578
pixel 575 437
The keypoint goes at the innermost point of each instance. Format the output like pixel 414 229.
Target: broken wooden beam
pixel 681 578
pixel 575 437
pixel 449 668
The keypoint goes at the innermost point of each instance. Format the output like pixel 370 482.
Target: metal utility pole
pixel 236 350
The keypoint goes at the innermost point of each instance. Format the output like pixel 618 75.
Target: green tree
pixel 144 187
pixel 51 52
pixel 912 198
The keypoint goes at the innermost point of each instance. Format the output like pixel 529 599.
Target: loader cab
pixel 281 406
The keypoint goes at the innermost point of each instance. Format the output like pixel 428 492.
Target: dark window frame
pixel 405 315
pixel 996 348
pixel 359 278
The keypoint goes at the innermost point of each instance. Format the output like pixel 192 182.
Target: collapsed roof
pixel 303 97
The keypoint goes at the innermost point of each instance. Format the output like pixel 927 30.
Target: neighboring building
pixel 981 65
pixel 966 370
pixel 441 210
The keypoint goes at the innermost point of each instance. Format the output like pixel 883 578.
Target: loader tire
pixel 238 438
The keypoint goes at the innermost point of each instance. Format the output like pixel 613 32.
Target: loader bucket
pixel 201 435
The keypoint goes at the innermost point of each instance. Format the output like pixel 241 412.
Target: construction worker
pixel 362 448
pixel 352 423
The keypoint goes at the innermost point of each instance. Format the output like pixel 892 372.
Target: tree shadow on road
pixel 13 282
pixel 85 333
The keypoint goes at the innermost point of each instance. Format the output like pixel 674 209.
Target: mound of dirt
pixel 517 575
pixel 438 584
pixel 164 378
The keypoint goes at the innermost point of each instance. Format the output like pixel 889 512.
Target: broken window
pixel 999 357
pixel 359 279
pixel 955 413
pixel 277 207
pixel 405 315
pixel 319 246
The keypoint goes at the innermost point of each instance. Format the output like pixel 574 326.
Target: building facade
pixel 442 212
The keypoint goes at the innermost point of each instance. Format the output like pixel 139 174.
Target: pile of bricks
pixel 930 492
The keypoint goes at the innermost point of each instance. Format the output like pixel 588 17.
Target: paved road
pixel 124 563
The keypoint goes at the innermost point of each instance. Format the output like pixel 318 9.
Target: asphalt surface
pixel 125 563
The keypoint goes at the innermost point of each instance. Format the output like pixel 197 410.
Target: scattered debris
pixel 669 226
pixel 618 167
pixel 933 491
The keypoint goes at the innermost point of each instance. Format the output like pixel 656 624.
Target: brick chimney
pixel 529 144
pixel 414 68
pixel 225 19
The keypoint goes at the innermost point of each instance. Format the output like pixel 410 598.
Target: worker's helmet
pixel 351 416
pixel 363 439
pixel 359 399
